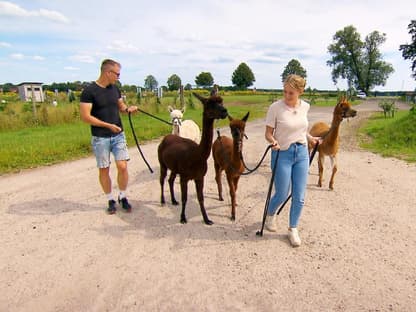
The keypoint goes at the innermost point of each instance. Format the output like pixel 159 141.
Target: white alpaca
pixel 185 129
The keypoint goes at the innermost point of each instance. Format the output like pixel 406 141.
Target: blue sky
pixel 59 41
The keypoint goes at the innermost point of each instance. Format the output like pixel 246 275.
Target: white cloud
pixel 38 58
pixel 17 56
pixel 5 44
pixel 71 68
pixel 13 10
pixel 82 58
pixel 122 46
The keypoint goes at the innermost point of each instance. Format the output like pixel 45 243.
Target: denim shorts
pixel 104 146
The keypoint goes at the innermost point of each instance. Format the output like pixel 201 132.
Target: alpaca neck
pixel 333 132
pixel 235 157
pixel 206 137
pixel 175 130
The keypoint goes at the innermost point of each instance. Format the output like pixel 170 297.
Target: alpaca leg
pixel 184 194
pixel 334 170
pixel 236 179
pixel 171 188
pixel 199 184
pixel 231 186
pixel 163 172
pixel 218 172
pixel 321 160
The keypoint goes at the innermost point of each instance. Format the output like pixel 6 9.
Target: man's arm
pixel 123 107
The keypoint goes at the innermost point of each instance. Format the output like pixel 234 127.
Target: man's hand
pixel 114 128
pixel 131 109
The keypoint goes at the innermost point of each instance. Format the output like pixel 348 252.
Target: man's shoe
pixel 294 238
pixel 111 207
pixel 271 223
pixel 124 204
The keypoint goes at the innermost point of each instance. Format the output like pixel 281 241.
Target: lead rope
pixel 137 144
pixel 249 171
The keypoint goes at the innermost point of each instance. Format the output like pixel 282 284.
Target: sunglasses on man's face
pixel 115 73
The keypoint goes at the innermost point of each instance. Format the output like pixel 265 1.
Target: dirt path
pixel 61 252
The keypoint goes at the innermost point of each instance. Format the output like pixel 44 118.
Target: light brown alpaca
pixel 227 156
pixel 330 136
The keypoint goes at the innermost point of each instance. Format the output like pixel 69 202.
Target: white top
pixel 290 124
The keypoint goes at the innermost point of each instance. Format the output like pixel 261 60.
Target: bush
pixel 388 107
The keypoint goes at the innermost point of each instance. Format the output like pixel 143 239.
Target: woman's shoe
pixel 294 238
pixel 271 225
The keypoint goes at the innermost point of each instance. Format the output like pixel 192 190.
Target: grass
pixel 37 145
pixel 391 137
pixel 59 136
pixel 31 147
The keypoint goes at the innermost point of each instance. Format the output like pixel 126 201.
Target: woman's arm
pixel 270 138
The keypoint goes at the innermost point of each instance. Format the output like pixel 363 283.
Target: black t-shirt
pixel 104 106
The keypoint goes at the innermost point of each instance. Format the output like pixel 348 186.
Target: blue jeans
pixel 102 148
pixel 291 175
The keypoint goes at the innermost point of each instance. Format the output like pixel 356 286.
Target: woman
pixel 287 131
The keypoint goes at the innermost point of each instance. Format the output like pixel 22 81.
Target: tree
pixel 188 86
pixel 360 63
pixel 150 83
pixel 174 82
pixel 409 50
pixel 204 79
pixel 293 67
pixel 243 77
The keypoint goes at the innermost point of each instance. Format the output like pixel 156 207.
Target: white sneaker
pixel 271 223
pixel 294 238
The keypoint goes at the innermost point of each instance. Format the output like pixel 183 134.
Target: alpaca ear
pixel 230 118
pixel 170 108
pixel 246 117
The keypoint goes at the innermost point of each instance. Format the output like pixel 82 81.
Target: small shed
pixel 29 90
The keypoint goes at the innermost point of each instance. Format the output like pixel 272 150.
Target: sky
pixel 65 41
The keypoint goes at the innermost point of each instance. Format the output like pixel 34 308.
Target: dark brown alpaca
pixel 330 136
pixel 188 159
pixel 227 156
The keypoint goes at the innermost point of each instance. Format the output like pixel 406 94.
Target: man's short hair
pixel 107 64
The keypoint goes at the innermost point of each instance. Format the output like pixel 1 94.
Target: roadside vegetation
pixel 391 137
pixel 56 133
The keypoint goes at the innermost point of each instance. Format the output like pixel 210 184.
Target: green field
pixel 57 134
pixel 391 137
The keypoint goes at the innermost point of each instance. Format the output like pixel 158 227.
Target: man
pixel 100 105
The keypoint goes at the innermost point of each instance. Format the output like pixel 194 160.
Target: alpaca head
pixel 213 106
pixel 237 127
pixel 345 109
pixel 176 115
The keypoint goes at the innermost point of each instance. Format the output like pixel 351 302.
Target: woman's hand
pixel 315 140
pixel 275 146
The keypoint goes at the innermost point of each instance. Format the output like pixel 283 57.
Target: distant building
pixel 27 90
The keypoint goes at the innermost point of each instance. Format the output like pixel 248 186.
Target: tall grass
pixel 391 137
pixel 34 146
pixel 57 134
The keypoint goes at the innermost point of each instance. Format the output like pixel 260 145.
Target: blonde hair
pixel 296 82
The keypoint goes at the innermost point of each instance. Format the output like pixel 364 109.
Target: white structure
pixel 27 90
